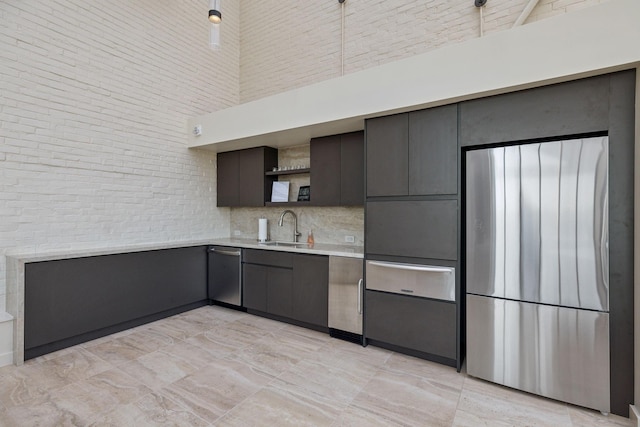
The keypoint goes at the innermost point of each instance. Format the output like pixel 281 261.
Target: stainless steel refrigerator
pixel 537 261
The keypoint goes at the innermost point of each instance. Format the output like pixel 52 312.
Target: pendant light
pixel 215 17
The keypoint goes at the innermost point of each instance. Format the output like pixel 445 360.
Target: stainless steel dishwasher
pixel 345 298
pixel 225 275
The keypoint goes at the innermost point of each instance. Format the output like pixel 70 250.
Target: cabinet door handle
pixel 360 296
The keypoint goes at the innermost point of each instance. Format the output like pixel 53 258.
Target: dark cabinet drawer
pixel 418 229
pixel 417 324
pixel 267 257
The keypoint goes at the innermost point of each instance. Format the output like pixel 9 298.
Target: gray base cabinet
pixel 75 300
pixel 311 289
pixel 279 291
pixel 283 284
pixel 254 282
pixel 268 289
pixel 419 324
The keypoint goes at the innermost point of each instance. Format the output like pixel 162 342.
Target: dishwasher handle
pixel 397 266
pixel 225 252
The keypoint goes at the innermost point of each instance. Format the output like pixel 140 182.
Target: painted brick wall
pixel 547 8
pixel 94 98
pixel 290 44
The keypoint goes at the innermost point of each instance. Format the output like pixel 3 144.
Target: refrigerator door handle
pixel 360 296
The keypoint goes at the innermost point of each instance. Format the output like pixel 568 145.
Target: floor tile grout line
pixel 323 345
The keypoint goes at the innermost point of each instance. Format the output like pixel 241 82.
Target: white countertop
pixel 16 261
pixel 352 251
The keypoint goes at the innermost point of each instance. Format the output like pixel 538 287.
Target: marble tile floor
pixel 218 367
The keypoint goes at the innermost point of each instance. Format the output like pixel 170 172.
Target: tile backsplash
pixel 329 224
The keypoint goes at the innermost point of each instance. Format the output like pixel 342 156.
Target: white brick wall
pixel 94 98
pixel 547 8
pixel 290 44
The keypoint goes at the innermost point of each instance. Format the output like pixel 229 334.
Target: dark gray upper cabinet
pixel 413 154
pixel 241 176
pixel 337 170
pixel 325 170
pixel 228 185
pixel 352 169
pixel 311 289
pixel 417 229
pixel 387 147
pixel 564 109
pixel 433 151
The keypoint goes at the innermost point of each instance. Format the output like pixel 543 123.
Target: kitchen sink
pixel 290 244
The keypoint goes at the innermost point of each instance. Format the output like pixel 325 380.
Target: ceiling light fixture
pixel 215 17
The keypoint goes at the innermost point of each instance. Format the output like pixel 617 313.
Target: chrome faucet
pixel 295 223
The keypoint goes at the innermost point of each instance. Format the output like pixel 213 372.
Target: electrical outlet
pixel 349 239
pixel 197 130
pixel 237 233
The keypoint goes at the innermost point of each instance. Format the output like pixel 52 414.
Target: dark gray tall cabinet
pixel 412 217
pixel 337 170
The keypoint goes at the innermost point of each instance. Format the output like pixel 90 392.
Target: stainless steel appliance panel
pixel 345 294
pixel 417 280
pixel 537 224
pixel 225 275
pixel 557 352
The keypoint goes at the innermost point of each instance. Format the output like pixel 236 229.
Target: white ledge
pixel 590 41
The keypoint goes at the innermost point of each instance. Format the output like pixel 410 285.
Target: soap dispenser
pixel 310 241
